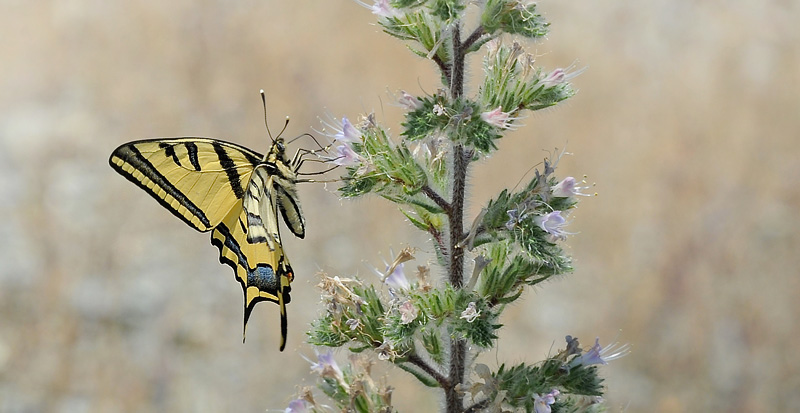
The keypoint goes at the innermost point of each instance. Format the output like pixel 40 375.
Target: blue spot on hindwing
pixel 264 278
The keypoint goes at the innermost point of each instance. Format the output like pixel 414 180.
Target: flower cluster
pixel 360 316
pixel 351 388
pixel 567 381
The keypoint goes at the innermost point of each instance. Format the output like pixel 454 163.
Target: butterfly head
pixel 277 152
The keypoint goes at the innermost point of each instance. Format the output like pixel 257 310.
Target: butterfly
pixel 235 193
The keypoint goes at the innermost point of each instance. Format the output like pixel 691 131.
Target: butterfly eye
pixel 281 148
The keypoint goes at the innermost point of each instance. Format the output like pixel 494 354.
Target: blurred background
pixel 687 119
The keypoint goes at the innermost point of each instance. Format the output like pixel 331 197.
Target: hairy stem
pixel 454 400
pixel 419 362
pixel 444 68
pixel 435 197
pixel 457 68
pixel 472 38
pixel 456 217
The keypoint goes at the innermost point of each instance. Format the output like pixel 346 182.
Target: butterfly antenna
pixel 285 124
pixel 266 124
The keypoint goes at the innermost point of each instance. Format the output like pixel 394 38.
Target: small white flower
pixel 438 110
pixel 408 101
pixel 385 351
pixel 553 223
pixel 408 312
pixel 471 313
pixel 567 188
pixel 346 156
pixel 497 118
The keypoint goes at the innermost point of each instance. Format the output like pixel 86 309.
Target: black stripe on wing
pixel 263 276
pixel 230 169
pixel 290 209
pixel 135 161
pixel 130 155
pixel 191 150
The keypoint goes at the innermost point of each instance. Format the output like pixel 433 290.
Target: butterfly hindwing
pixel 264 273
pixel 290 209
pixel 260 204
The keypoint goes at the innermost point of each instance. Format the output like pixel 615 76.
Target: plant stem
pixel 472 38
pixel 435 197
pixel 457 69
pixel 456 217
pixel 454 400
pixel 419 362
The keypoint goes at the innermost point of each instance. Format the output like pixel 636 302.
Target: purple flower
pixel 408 101
pixel 326 366
pixel 397 279
pixel 541 404
pixel 346 156
pixel 567 188
pixel 601 355
pixel 515 218
pixel 385 351
pixel 553 223
pixel 297 406
pixel 348 133
pixel 382 8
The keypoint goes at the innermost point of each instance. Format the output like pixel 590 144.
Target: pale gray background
pixel 687 120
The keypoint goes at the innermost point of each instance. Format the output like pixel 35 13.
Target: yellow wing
pixel 197 179
pixel 264 273
pixel 260 204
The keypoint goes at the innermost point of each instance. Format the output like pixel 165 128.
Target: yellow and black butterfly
pixel 233 192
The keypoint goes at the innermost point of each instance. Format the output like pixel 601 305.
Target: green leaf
pixel 433 345
pixel 417 223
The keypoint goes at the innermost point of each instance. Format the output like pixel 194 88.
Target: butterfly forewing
pixel 199 180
